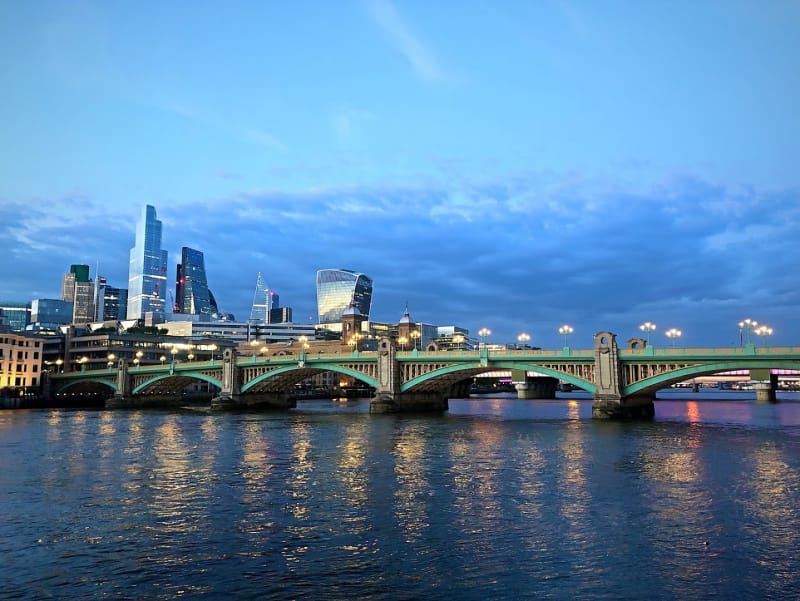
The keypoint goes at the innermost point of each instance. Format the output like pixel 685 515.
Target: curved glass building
pixel 337 289
pixel 192 294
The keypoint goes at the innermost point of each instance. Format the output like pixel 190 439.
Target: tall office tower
pixel 262 302
pixel 338 289
pixel 111 304
pixel 192 295
pixel 147 274
pixel 83 305
pixel 18 314
pixel 78 288
pixel 77 273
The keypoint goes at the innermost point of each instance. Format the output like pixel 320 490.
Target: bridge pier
pixel 633 407
pixel 765 384
pixel 541 387
pixel 409 402
pixel 608 400
pixel 389 398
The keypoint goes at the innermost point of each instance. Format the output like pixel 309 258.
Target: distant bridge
pixel 623 382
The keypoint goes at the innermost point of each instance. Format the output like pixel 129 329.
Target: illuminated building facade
pixel 147 274
pixel 338 289
pixel 192 296
pixel 20 361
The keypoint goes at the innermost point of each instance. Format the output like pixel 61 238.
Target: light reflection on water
pixel 498 499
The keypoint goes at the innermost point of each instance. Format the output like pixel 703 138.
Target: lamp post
pixel 264 351
pixel 565 331
pixel 190 356
pixel 523 339
pixel 137 359
pixel 82 361
pixel 746 325
pixel 415 335
pixel 163 359
pixel 111 358
pixel 647 327
pixel 402 341
pixel 484 333
pixel 458 340
pixel 174 353
pixel 59 363
pixel 673 334
pixel 763 331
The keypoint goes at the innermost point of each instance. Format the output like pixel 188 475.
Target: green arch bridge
pixel 623 382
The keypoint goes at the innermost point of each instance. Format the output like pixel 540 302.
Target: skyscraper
pixel 337 289
pixel 78 288
pixel 147 274
pixel 259 313
pixel 110 303
pixel 192 295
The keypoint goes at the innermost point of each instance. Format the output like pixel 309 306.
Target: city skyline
pixel 599 167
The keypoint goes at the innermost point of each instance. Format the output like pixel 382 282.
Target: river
pixel 495 499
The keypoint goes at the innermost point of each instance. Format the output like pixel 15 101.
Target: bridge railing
pixel 748 350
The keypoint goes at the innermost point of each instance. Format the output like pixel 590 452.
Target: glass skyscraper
pixel 192 295
pixel 110 303
pixel 337 289
pixel 147 274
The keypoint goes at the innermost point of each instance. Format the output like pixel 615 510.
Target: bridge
pixel 623 382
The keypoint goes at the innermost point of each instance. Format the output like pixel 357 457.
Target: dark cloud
pixel 526 254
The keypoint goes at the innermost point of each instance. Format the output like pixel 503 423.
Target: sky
pixel 514 165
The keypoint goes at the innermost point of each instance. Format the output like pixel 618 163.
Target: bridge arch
pixel 182 375
pixel 654 383
pixel 309 369
pixel 105 382
pixel 473 369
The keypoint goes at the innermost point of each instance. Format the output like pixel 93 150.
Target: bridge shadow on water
pixel 718 407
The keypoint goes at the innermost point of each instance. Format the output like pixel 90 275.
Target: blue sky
pixel 513 165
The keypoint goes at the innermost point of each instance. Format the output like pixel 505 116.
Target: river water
pixel 495 499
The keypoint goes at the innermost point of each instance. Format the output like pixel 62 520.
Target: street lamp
pixel 672 334
pixel 484 333
pixel 565 331
pixel 523 339
pixel 264 350
pixel 647 327
pixel 82 362
pixel 174 352
pixel 458 339
pixel 402 341
pixel 190 356
pixel 163 358
pixel 111 358
pixel 746 325
pixel 59 363
pixel 415 335
pixel 763 331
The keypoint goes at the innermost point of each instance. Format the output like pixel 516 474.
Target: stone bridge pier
pixel 230 396
pixel 388 395
pixel 608 400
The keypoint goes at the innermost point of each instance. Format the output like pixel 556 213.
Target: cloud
pixel 422 60
pixel 521 254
